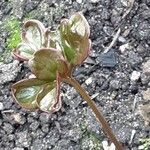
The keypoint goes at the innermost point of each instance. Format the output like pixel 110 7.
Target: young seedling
pixel 52 56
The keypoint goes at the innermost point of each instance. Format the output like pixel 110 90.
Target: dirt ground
pixel 118 81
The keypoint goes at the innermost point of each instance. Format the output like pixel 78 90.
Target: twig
pixel 113 41
pixel 129 9
pixel 95 110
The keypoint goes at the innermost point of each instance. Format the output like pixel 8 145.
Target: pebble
pixel 121 39
pixel 45 128
pixel 79 1
pixel 94 1
pixel 8 128
pixel 44 117
pixel 88 81
pixel 18 148
pixel 34 125
pixel 8 72
pixel 18 118
pixel 123 47
pixel 145 79
pixel 135 76
pixel 108 59
pixel 146 67
pixel 146 94
pixel 1 106
pixel 107 147
pixel 134 58
pixel 115 84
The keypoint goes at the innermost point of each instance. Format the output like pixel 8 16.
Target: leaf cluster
pixel 51 56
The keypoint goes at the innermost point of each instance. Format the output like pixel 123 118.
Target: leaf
pixel 49 98
pixel 45 64
pixel 23 51
pixel 26 91
pixel 79 25
pixel 34 33
pixel 53 39
pixel 33 38
pixel 75 38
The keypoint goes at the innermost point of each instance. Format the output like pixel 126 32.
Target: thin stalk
pixel 96 111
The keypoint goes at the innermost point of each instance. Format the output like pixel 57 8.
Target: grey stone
pixel 108 59
pixel 1 106
pixel 23 139
pixel 45 128
pixel 115 84
pixel 145 79
pixel 133 58
pixel 44 118
pixel 146 94
pixel 146 67
pixel 8 128
pixel 8 72
pixel 34 125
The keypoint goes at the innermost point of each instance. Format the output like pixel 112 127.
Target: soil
pixel 118 81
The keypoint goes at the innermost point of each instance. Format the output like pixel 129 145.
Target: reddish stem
pixel 98 114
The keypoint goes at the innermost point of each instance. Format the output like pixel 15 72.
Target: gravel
pixel 118 81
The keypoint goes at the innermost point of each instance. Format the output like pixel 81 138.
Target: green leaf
pixel 53 39
pixel 46 63
pixel 34 93
pixel 24 51
pixel 26 91
pixel 75 38
pixel 34 33
pixel 49 99
pixel 33 38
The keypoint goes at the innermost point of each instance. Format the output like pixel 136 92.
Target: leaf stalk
pixel 97 112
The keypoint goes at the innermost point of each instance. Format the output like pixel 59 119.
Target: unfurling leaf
pixel 46 63
pixel 75 38
pixel 34 33
pixel 51 56
pixel 49 98
pixel 33 38
pixel 34 93
pixel 24 51
pixel 26 91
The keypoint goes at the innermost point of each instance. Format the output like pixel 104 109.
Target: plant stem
pixel 98 114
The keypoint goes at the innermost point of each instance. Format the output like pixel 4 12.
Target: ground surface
pixel 118 81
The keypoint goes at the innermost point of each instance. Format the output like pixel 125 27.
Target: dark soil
pixel 118 81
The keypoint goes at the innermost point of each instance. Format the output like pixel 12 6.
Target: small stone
pixel 144 111
pixel 108 59
pixel 1 106
pixel 146 94
pixel 115 84
pixel 145 79
pixel 44 117
pixel 146 67
pixel 121 39
pixel 125 3
pixel 88 81
pixel 23 139
pixel 94 1
pixel 18 118
pixel 18 148
pixel 8 72
pixel 123 47
pixel 107 147
pixel 45 128
pixel 34 125
pixel 134 58
pixel 135 76
pixel 79 1
pixel 8 128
